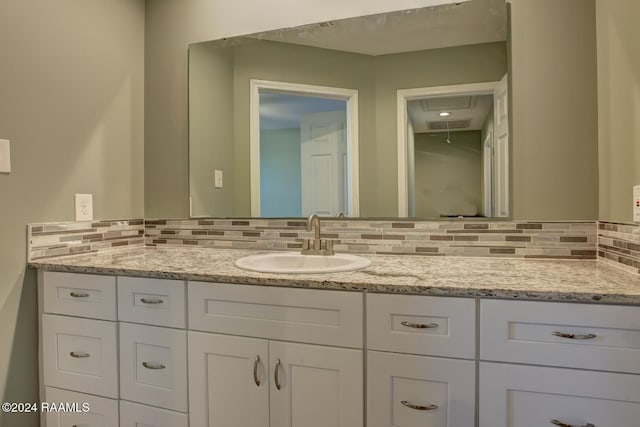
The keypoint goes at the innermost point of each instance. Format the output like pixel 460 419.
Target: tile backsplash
pixel 68 238
pixel 521 239
pixel 619 244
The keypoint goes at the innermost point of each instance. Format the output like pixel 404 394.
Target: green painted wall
pixel 448 175
pixel 72 104
pixel 618 106
pixel 211 130
pixel 554 110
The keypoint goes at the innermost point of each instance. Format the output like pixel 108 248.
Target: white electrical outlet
pixel 217 178
pixel 636 203
pixel 84 207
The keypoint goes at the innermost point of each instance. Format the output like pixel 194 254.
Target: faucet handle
pixel 306 244
pixel 328 247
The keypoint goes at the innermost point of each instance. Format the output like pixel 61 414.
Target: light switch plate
pixel 84 207
pixel 217 178
pixel 5 156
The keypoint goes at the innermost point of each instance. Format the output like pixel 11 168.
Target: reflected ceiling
pixel 472 22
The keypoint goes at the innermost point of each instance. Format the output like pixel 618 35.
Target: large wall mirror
pixel 402 114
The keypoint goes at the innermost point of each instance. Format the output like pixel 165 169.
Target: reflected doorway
pixel 303 150
pixel 453 151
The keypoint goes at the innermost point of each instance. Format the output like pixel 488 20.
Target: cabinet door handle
pixel 574 336
pixel 153 365
pixel 419 407
pixel 79 294
pixel 561 424
pixel 255 370
pixel 151 301
pixel 419 325
pixel 277 374
pixel 79 355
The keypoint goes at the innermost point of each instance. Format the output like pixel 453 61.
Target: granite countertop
pixel 552 280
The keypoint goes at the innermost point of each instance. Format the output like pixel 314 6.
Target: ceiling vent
pixel 448 103
pixel 453 124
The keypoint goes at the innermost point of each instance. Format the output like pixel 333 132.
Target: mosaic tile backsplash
pixel 68 238
pixel 558 240
pixel 614 243
pixel 619 244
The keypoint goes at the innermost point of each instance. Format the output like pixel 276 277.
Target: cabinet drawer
pixel 304 315
pixel 433 326
pixel 84 295
pixel 80 354
pixel 418 391
pixel 135 415
pixel 101 412
pixel 588 336
pixel 524 396
pixel 153 366
pixel 158 302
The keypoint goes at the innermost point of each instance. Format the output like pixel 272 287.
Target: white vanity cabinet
pixel 601 341
pixel 98 347
pixel 299 362
pixel 413 379
pixel 79 348
pixel 167 353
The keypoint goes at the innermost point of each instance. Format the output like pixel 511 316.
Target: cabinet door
pixel 228 381
pixel 524 396
pixel 419 391
pixel 153 366
pixel 315 386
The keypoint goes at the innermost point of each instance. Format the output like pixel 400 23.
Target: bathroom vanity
pixel 181 337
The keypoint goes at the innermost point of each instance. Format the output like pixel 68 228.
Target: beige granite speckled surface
pixel 576 281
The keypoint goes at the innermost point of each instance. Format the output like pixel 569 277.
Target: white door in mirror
pixel 636 203
pixel 294 262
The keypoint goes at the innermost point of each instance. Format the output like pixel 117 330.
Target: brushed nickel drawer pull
pixel 561 424
pixel 255 370
pixel 419 325
pixel 153 365
pixel 277 376
pixel 419 407
pixel 574 336
pixel 79 295
pixel 151 301
pixel 79 355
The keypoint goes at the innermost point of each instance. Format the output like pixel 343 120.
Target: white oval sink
pixel 294 262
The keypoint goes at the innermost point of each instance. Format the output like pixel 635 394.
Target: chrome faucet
pixel 319 247
pixel 314 221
